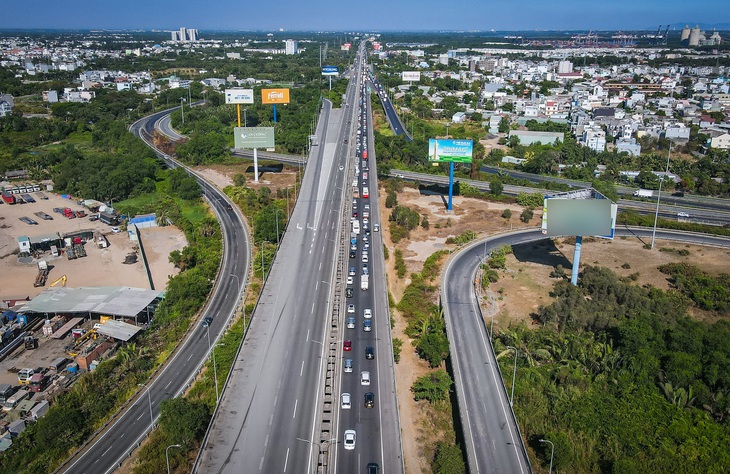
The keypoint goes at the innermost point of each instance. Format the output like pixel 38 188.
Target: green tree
pixel 526 215
pixel 449 459
pixel 433 386
pixel 184 420
pixel 496 187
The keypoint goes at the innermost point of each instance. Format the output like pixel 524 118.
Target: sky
pixel 369 15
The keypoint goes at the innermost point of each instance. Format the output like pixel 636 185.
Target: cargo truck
pixel 364 283
pixel 644 193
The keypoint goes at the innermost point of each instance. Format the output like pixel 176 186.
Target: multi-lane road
pixel 114 443
pixel 280 410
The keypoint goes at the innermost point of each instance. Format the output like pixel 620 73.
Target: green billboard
pixel 253 137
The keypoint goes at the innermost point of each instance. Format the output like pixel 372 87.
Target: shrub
pixel 507 214
pixel 433 386
pixel 526 215
pixel 397 348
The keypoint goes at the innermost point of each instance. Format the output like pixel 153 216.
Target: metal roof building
pixel 115 301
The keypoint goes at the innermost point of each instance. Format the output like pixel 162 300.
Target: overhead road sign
pixel 450 151
pixel 330 71
pixel 274 96
pixel 239 96
pixel 253 137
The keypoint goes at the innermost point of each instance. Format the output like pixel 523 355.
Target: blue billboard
pixel 330 71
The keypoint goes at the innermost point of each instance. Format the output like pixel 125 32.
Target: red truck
pixel 38 383
pixel 69 213
pixel 8 198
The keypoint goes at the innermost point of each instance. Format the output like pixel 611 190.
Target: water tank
pixel 694 36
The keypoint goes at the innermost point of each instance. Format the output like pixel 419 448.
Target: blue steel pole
pixel 274 113
pixel 451 186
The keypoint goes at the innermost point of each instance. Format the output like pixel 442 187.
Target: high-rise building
pixel 565 67
pixel 183 35
pixel 174 36
pixel 684 37
pixel 694 36
pixel 291 47
pixel 192 34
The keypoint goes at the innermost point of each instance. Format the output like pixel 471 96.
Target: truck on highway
pixel 644 193
pixel 356 227
pixel 364 283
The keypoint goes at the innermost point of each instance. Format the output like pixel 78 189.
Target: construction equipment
pixel 30 342
pixel 40 279
pixel 61 280
pixel 80 250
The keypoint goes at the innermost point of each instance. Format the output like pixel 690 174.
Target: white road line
pixel 261 464
pixel 107 450
pixel 296 402
pixel 312 308
pixel 286 461
pixel 307 340
pixel 316 287
pixel 168 384
pixel 191 356
pixel 301 371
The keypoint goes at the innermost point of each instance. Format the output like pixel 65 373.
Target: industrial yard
pixel 94 267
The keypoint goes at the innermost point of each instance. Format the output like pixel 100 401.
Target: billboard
pixel 445 151
pixel 253 137
pixel 411 75
pixel 330 71
pixel 274 96
pixel 595 217
pixel 239 96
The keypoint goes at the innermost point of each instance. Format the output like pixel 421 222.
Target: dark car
pixel 370 352
pixel 372 468
pixel 349 292
pixel 369 400
pixel 353 253
pixel 207 321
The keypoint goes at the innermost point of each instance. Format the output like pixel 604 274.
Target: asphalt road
pixel 392 116
pixel 271 400
pixel 377 428
pixel 713 211
pixel 115 443
pixel 491 436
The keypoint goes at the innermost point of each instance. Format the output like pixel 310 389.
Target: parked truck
pixel 644 193
pixel 364 283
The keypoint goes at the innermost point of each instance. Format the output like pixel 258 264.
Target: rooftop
pixel 109 300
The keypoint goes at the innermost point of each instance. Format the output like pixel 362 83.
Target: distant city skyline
pixel 374 15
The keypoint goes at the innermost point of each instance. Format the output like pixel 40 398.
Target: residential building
pixel 291 47
pixel 721 141
pixel 6 104
pixel 594 137
pixel 629 146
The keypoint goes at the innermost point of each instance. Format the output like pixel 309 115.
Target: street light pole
pixel 552 452
pixel 319 445
pixel 182 109
pixel 149 400
pixel 659 196
pixel 215 371
pixel 167 457
pixel 514 376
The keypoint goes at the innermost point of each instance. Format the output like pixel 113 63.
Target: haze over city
pixel 375 15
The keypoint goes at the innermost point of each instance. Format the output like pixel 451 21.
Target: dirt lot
pixel 522 288
pixel 101 267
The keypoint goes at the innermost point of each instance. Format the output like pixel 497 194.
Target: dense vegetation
pixel 622 380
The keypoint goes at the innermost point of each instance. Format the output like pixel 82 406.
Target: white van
pixel 16 398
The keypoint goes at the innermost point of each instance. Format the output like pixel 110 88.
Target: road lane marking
pixel 296 402
pixel 301 371
pixel 266 441
pixel 286 461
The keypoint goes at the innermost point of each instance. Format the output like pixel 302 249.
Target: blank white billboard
pixel 578 217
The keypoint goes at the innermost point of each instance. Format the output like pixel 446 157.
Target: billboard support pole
pixel 330 83
pixel 576 259
pixel 451 186
pixel 238 108
pixel 256 164
pixel 274 113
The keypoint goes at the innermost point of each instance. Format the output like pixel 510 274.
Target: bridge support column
pixel 451 187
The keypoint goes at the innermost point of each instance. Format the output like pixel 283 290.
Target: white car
pixel 350 437
pixel 115 230
pixel 365 378
pixel 376 227
pixel 350 280
pixel 350 308
pixel 346 401
pixel 342 167
pixel 364 258
pixel 368 313
pixel 683 214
